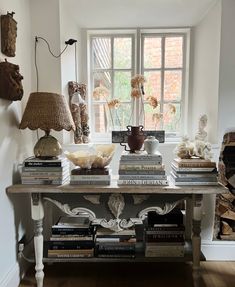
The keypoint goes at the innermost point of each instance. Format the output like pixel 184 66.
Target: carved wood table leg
pixel 37 215
pixel 196 238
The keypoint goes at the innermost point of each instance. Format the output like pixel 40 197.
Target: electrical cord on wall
pixel 67 43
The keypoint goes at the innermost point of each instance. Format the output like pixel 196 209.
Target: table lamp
pixel 47 111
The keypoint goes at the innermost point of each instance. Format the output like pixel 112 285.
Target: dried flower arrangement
pixel 102 93
pixel 137 93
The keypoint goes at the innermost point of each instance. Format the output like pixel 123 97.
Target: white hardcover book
pixel 142 182
pixel 89 177
pixel 141 162
pixel 142 177
pixel 193 182
pixel 141 167
pixel 192 169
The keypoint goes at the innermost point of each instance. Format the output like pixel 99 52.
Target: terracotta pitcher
pixel 135 138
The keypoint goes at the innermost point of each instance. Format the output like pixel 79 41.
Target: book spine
pixel 45 169
pixel 89 255
pixel 141 172
pixel 43 182
pixel 89 177
pixel 141 162
pixel 44 164
pixel 71 238
pixel 195 164
pixel 135 157
pixel 140 167
pixel 200 169
pixel 142 177
pixel 193 175
pixel 143 182
pixel 44 174
pixel 68 245
pixel 194 183
pixel 168 229
pixel 70 231
pixel 164 232
pixel 90 182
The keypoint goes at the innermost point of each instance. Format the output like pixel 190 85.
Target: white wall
pixel 226 106
pixel 205 73
pixel 15 145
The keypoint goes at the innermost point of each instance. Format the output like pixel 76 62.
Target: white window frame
pixel 137 58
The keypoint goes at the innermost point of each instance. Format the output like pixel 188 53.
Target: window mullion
pixel 112 71
pixel 162 78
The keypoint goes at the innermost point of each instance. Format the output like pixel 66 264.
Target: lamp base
pixel 47 147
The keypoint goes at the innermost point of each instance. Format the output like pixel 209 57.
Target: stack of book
pixel 115 244
pixel 193 172
pixel 71 237
pixel 94 176
pixel 165 235
pixel 48 171
pixel 141 169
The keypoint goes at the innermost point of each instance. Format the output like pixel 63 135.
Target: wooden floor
pixel 214 274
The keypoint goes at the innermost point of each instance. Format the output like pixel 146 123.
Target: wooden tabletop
pixel 114 188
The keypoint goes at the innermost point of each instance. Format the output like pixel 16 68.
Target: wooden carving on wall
pixel 8 34
pixel 10 82
pixel 78 107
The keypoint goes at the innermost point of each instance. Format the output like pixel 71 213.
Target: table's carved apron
pixel 114 210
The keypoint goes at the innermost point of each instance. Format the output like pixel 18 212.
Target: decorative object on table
pixel 137 94
pixel 151 144
pixel 187 149
pixel 8 34
pixel 141 169
pixel 10 82
pixel 78 107
pixel 47 111
pixel 122 136
pixel 101 93
pixel 92 164
pixel 202 134
pixel 135 138
pixel 41 171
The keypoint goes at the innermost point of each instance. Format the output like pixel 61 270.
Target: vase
pixel 151 144
pixel 135 138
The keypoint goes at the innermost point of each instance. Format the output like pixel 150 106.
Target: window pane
pixel 122 53
pixel 153 117
pixel 102 85
pixel 101 53
pixel 100 118
pixel 171 117
pixel 174 52
pixel 122 86
pixel 152 52
pixel 172 85
pixel 124 115
pixel 152 86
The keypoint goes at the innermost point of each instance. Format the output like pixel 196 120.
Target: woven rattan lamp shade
pixel 47 111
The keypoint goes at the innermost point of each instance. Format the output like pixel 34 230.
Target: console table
pixel 117 207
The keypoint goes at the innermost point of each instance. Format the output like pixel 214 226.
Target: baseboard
pixel 219 250
pixel 12 278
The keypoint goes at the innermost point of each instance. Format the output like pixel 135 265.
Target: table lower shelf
pixel 139 257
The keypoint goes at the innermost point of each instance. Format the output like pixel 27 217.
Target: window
pixel 116 56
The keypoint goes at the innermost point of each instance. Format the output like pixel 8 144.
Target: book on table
pixel 96 176
pixel 45 171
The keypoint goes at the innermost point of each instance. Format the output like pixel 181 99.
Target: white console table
pixel 117 208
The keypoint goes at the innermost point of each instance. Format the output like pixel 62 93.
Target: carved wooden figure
pixel 8 34
pixel 78 107
pixel 10 82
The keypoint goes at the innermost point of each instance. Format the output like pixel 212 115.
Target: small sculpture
pixel 8 34
pixel 78 107
pixel 10 82
pixel 202 134
pixel 199 147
